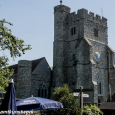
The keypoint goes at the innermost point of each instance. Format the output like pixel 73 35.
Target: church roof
pixel 107 105
pixel 34 64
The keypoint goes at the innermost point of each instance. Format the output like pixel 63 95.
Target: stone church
pixel 81 57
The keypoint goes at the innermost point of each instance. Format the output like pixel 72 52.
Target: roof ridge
pixel 37 59
pixel 36 62
pixel 13 65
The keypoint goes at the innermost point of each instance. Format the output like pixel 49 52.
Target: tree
pixel 70 104
pixel 15 46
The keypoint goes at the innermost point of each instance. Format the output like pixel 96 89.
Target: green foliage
pixel 105 99
pixel 5 73
pixel 64 95
pixel 11 42
pixel 15 46
pixel 92 110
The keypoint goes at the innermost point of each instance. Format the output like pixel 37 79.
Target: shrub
pixel 92 110
pixel 70 104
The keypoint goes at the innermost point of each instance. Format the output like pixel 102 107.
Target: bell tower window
pixel 73 30
pixel 96 32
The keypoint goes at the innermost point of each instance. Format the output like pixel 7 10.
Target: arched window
pixel 42 90
pixel 99 88
pixel 99 84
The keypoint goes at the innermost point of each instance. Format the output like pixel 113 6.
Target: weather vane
pixel 60 2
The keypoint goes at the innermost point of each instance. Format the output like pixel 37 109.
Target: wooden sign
pixel 85 95
pixel 77 94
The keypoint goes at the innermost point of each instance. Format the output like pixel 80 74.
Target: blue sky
pixel 33 21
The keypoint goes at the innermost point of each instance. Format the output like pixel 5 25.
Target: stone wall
pixel 112 70
pixel 41 74
pixel 24 79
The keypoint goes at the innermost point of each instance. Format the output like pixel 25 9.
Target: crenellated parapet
pixel 83 13
pixel 62 8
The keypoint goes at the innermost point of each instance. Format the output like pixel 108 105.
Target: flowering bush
pixel 70 104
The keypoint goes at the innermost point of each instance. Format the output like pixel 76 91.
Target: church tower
pixel 80 56
pixel 60 13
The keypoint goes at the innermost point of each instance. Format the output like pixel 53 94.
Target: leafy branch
pixel 11 42
pixel 15 46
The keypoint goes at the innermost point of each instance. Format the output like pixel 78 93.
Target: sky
pixel 33 21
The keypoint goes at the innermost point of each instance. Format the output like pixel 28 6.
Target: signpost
pixel 81 97
pixel 77 94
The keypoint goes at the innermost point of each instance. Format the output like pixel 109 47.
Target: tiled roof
pixel 108 105
pixel 34 64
